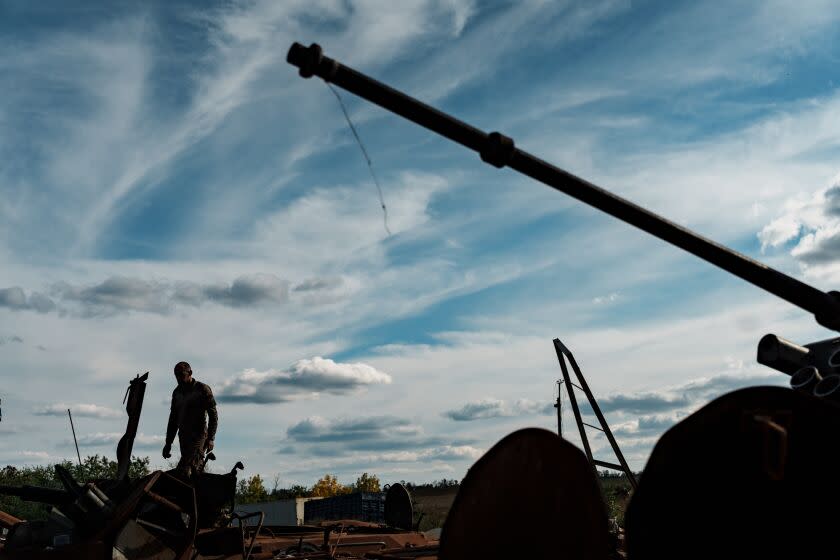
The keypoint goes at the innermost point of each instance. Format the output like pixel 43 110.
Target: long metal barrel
pixel 37 494
pixel 500 151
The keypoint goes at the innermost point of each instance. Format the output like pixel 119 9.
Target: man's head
pixel 183 372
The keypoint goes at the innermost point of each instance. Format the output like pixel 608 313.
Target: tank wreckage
pixel 746 476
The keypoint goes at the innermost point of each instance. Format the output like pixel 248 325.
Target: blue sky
pixel 172 190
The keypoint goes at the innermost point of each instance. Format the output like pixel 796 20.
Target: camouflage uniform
pixel 190 402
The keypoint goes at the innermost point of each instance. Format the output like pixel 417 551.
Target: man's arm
pixel 171 429
pixel 212 415
pixel 172 426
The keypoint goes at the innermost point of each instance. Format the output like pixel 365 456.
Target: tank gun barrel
pixel 500 151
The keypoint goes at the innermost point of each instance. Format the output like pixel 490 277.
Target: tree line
pixel 253 489
pixel 249 490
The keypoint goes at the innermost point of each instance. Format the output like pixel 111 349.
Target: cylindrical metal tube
pixel 829 388
pixel 782 355
pixel 805 379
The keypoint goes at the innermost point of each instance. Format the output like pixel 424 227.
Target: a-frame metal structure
pixel 564 354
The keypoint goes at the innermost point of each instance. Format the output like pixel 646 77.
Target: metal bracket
pixel 312 62
pixel 773 430
pixel 497 149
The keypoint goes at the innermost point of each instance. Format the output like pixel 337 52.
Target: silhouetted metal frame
pixel 564 354
pixel 500 151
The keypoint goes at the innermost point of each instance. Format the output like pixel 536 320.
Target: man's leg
pixel 192 451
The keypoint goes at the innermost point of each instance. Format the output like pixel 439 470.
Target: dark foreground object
pixel 749 475
pixel 533 495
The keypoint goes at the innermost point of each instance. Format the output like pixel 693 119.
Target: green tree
pixel 251 490
pixel 329 486
pixel 367 483
pixel 99 467
pixel 294 491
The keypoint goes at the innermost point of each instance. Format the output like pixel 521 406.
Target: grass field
pixel 434 503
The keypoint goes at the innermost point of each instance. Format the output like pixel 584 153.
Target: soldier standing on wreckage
pixel 191 400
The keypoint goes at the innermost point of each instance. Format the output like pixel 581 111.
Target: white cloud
pixel 812 225
pixel 610 298
pixel 26 457
pixel 374 442
pixel 8 339
pixel 496 408
pixel 485 408
pixel 14 298
pixel 104 439
pixel 305 379
pixel 82 410
pixel 452 452
pixel 39 455
pixel 118 294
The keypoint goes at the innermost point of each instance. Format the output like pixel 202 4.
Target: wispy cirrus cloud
pixel 305 379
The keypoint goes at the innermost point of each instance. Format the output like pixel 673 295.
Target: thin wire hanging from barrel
pixel 364 152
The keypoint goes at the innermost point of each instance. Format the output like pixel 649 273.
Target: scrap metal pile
pixel 162 516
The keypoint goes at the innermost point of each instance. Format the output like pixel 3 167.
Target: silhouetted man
pixel 191 400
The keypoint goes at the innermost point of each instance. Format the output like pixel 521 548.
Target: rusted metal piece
pixel 240 519
pixel 775 443
pixel 346 539
pixel 748 468
pixel 415 553
pixel 135 541
pixel 530 484
pixel 8 521
pixel 164 491
pixel 164 502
